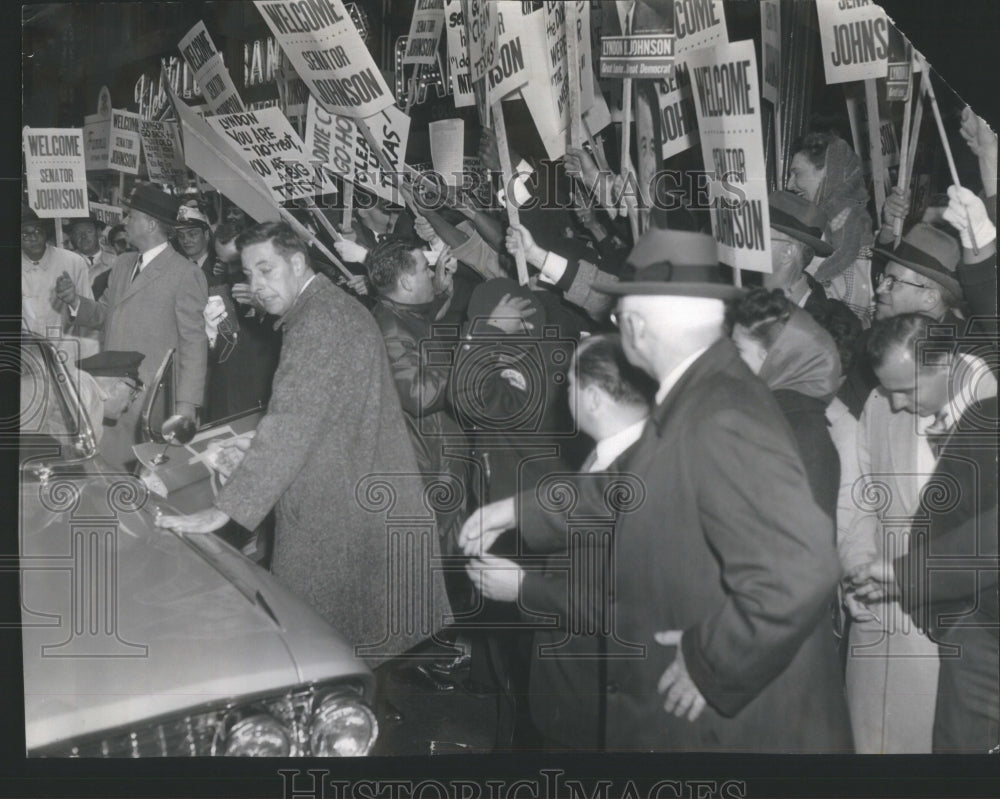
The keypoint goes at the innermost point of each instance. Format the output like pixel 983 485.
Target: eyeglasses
pixel 890 281
pixel 31 232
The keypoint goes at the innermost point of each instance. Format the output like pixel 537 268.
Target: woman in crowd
pixel 826 171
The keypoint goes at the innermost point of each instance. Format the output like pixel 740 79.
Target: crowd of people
pixel 669 513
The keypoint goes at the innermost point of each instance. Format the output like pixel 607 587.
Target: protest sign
pixel 854 38
pixel 107 214
pixel 330 140
pixel 556 47
pixel 724 81
pixel 507 70
pixel 97 133
pixel 857 114
pixel 216 83
pixel 458 55
pixel 636 56
pixel 391 131
pixel 56 171
pixel 447 149
pixel 678 120
pixel 161 142
pixel 266 140
pixel 425 32
pixel 327 52
pixel 126 143
pixel 770 36
pixel 698 24
pixel 480 24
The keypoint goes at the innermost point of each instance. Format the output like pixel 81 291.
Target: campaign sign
pixel 458 55
pixel 508 70
pixel 107 214
pixel 126 143
pixel 727 104
pixel 698 24
pixel 205 60
pixel 330 140
pixel 678 119
pixel 636 56
pixel 161 142
pixel 854 38
pixel 56 171
pixel 391 130
pixel 425 32
pixel 480 23
pixel 328 53
pixel 269 144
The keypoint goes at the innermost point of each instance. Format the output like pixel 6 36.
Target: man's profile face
pixel 274 279
pixel 84 237
pixel 33 240
pixel 119 394
pixel 193 241
pixel 923 390
pixel 894 294
pixel 421 278
pixel 136 224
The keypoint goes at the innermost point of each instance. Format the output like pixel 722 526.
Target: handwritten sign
pixel 508 70
pixel 269 144
pixel 330 140
pixel 205 61
pixel 126 142
pixel 770 35
pixel 699 24
pixel 324 46
pixel 480 24
pixel 458 55
pixel 854 37
pixel 727 100
pixel 391 130
pixel 556 47
pixel 425 32
pixel 56 171
pixel 678 119
pixel 161 142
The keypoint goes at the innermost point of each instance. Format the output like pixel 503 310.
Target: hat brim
pixel 936 275
pixel 154 214
pixel 712 291
pixel 823 248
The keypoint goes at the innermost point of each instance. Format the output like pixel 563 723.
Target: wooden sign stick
pixel 348 203
pixel 506 172
pixel 903 179
pixel 320 217
pixel 918 119
pixel 310 238
pixel 626 145
pixel 573 75
pixel 59 231
pixel 875 145
pixel 947 149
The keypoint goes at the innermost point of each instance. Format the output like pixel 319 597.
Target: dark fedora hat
pixel 930 252
pixel 800 219
pixel 678 263
pixel 153 202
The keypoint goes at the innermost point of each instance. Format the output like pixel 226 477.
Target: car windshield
pixel 58 401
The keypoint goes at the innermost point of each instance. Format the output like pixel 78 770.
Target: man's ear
pixel 405 281
pixel 298 262
pixel 592 397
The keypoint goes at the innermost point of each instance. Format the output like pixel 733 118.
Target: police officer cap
pixel 113 363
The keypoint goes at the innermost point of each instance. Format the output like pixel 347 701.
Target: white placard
pixel 205 60
pixel 425 33
pixel 678 119
pixel 480 25
pixel 698 24
pixel 458 55
pixel 330 140
pixel 508 67
pixel 727 103
pixel 329 55
pixel 108 214
pixel 126 143
pixel 161 142
pixel 854 37
pixel 56 171
pixel 447 149
pixel 770 35
pixel 391 129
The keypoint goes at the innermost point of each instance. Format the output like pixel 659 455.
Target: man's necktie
pixel 137 270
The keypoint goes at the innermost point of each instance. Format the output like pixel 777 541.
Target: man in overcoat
pixel 724 572
pixel 333 457
pixel 153 303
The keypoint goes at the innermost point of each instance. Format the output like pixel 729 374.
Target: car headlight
pixel 258 736
pixel 342 727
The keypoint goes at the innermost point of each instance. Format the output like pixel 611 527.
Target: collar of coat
pixel 722 356
pixel 424 310
pixel 317 284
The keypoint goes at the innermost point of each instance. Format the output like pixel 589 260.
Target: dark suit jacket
pixel 722 541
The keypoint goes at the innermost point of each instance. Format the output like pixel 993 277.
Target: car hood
pixel 124 621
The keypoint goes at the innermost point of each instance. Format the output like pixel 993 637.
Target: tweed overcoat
pixel 726 545
pixel 332 455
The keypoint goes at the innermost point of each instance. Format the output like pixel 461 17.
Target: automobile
pixel 142 642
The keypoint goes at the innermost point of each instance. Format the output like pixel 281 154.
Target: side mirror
pixel 158 405
pixel 177 430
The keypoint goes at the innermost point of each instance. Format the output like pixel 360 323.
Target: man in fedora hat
pixel 153 302
pixel 724 572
